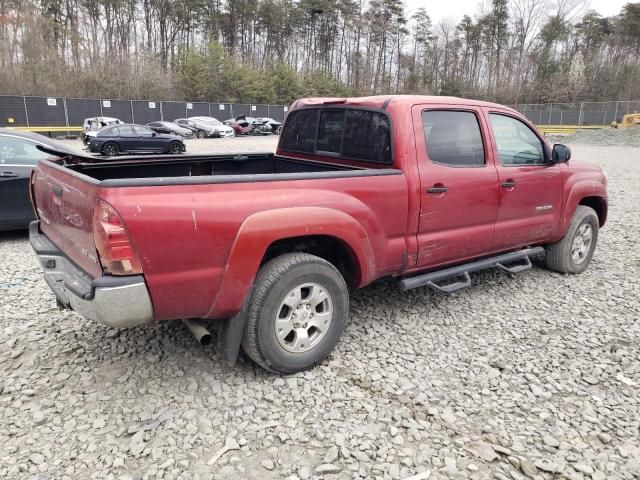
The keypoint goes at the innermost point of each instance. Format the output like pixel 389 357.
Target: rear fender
pixel 261 229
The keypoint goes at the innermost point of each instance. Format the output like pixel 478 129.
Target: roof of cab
pixel 383 101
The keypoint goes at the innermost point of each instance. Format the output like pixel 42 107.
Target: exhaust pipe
pixel 199 331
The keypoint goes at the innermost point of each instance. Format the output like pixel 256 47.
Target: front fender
pixel 579 190
pixel 261 229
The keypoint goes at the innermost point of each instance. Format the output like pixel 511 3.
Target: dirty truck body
pixel 423 189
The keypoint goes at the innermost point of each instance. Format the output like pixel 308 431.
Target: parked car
pixel 274 124
pixel 221 130
pixel 200 128
pixel 426 190
pixel 18 157
pixel 91 125
pixel 171 127
pixel 127 138
pixel 251 124
pixel 237 128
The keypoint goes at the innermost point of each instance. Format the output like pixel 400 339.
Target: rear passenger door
pixel 459 192
pixel 530 185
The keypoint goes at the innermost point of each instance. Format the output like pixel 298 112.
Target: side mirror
pixel 153 134
pixel 561 153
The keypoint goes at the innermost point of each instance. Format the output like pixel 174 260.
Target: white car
pixel 91 125
pixel 221 130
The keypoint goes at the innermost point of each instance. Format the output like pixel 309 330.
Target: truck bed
pixel 229 168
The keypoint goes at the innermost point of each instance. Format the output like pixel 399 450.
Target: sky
pixel 455 9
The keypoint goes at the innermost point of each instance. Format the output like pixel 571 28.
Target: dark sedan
pixel 171 127
pixel 18 156
pixel 118 139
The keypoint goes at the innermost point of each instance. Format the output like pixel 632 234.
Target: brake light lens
pixel 113 243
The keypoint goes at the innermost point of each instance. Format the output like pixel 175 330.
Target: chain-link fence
pixel 16 111
pixel 584 113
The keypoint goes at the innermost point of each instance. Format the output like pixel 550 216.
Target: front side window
pixel 142 130
pixel 516 143
pixel 15 151
pixel 300 132
pixel 453 138
pixel 125 131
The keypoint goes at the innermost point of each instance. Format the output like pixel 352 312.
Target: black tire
pixel 274 282
pixel 559 255
pixel 175 147
pixel 110 149
pixel 201 134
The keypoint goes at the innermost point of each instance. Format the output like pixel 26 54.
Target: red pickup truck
pixel 423 189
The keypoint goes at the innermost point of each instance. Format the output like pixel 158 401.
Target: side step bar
pixel 512 262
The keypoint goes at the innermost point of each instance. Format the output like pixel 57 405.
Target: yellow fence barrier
pixel 567 129
pixel 48 129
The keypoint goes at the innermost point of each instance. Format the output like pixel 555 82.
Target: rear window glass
pixel 330 131
pixel 349 133
pixel 367 136
pixel 300 133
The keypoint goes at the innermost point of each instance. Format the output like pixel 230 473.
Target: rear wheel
pixel 298 310
pixel 573 253
pixel 201 134
pixel 110 149
pixel 175 147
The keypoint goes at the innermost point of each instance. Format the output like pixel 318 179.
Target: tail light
pixel 113 243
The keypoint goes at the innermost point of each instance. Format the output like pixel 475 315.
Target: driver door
pixel 530 186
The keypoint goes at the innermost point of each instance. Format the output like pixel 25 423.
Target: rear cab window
pixel 345 133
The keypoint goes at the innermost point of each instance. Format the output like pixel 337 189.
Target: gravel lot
pixel 531 376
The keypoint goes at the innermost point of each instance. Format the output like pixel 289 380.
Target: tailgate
pixel 64 201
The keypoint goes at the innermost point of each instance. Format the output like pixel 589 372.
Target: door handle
pixel 509 184
pixel 437 188
pixel 8 175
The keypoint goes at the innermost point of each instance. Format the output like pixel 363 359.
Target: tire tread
pixel 268 275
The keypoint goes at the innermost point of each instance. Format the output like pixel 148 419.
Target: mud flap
pixel 231 332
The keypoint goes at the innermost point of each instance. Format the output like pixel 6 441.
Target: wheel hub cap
pixel 303 318
pixel 581 244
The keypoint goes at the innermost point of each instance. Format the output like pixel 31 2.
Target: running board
pixel 512 262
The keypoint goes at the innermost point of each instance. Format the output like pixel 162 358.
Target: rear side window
pixel 453 138
pixel 349 133
pixel 110 132
pixel 300 134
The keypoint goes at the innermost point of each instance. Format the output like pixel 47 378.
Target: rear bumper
pixel 118 302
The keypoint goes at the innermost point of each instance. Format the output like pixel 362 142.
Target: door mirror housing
pixel 561 153
pixel 153 134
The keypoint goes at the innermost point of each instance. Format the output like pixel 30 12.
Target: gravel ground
pixel 629 137
pixel 530 376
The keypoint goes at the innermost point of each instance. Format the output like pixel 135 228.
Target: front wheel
pixel 298 311
pixel 573 253
pixel 175 147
